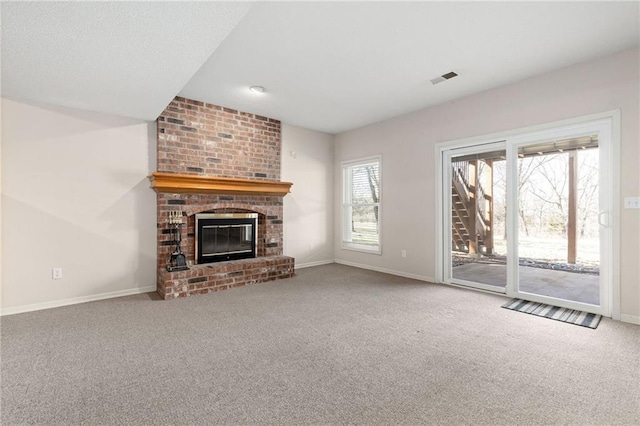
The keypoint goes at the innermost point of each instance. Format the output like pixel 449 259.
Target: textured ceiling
pixel 336 66
pixel 123 58
pixel 330 66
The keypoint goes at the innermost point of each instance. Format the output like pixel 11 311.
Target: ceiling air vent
pixel 444 77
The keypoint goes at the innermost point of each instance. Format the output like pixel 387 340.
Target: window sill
pixel 362 248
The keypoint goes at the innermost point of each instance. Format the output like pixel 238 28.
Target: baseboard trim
pixel 75 300
pixel 386 271
pixel 310 264
pixel 631 319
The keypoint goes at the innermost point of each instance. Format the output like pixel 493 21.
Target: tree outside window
pixel 361 205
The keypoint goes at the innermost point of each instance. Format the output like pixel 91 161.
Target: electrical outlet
pixel 403 253
pixel 632 202
pixel 56 273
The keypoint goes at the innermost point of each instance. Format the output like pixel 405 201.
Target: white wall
pixel 407 146
pixel 1 205
pixel 75 195
pixel 308 210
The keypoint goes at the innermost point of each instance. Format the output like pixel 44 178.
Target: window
pixel 361 205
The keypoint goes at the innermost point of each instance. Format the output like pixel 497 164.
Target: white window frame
pixel 346 201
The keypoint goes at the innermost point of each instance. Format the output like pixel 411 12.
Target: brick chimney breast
pixel 201 139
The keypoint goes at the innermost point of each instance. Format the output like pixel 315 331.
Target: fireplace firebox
pixel 225 236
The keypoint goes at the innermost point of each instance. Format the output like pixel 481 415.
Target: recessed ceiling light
pixel 444 77
pixel 258 89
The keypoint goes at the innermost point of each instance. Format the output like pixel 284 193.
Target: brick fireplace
pixel 219 160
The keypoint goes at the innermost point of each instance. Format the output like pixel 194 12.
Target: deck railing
pixel 476 203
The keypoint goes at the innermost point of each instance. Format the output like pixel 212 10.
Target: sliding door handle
pixel 601 222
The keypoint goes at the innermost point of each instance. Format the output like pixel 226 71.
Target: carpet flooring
pixel 333 345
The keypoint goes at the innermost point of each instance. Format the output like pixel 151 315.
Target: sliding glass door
pixel 476 249
pixel 560 193
pixel 530 216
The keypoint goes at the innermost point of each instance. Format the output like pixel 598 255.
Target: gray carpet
pixel 334 345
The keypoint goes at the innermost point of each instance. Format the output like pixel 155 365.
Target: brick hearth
pixel 203 279
pixel 207 140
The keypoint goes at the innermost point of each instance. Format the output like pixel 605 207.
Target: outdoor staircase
pixel 471 210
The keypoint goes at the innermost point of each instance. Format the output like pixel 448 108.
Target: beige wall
pixel 308 210
pixel 407 144
pixel 1 205
pixel 75 195
pixel 75 192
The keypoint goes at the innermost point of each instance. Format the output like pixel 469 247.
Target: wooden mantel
pixel 176 183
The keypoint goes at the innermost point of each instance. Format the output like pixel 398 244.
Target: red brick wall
pixel 204 139
pixel 269 210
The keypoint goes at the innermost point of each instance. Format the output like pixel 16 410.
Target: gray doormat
pixel 571 316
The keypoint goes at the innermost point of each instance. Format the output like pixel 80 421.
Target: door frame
pixel 602 128
pixel 611 119
pixel 446 246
